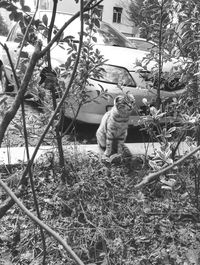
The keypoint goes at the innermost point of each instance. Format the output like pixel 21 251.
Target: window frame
pixel 117 14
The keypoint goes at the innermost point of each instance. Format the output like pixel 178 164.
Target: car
pixel 121 64
pixel 2 39
pixel 142 44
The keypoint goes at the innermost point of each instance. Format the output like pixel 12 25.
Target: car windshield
pixel 143 45
pixel 109 36
pixel 106 34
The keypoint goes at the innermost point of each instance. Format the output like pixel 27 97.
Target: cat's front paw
pixel 105 159
pixel 116 158
pixel 107 154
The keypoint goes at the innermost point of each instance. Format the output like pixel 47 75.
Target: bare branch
pixel 155 175
pixel 9 115
pixel 41 224
pixel 86 8
pixel 26 33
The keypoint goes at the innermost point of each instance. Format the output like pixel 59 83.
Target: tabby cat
pixel 112 131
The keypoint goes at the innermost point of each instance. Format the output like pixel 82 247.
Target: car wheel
pixel 5 85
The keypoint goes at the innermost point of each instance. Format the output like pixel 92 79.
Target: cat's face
pixel 124 103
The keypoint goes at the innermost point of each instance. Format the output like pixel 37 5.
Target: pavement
pixel 16 155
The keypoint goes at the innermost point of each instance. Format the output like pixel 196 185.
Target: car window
pixel 143 45
pixel 109 36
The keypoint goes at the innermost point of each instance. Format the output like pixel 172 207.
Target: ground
pixel 101 215
pixel 98 211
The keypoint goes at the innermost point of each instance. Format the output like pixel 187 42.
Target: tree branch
pixel 56 236
pixel 30 162
pixel 10 114
pixel 152 176
pixel 26 33
pixel 86 8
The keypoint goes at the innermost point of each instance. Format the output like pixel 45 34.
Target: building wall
pixel 125 26
pixel 70 6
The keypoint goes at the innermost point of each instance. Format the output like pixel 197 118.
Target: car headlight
pixel 116 75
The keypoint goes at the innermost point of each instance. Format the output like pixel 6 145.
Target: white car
pixel 122 63
pixel 142 44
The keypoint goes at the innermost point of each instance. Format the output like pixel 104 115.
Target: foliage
pixel 3 27
pixel 103 218
pixel 98 211
pixel 147 15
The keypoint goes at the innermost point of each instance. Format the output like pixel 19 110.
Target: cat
pixel 112 131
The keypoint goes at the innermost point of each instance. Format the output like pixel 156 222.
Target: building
pixel 112 11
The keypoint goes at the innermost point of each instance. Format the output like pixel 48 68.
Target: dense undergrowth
pixel 102 217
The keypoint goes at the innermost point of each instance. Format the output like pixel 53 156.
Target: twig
pixel 58 106
pixel 41 224
pixel 9 115
pixel 26 33
pixel 28 156
pixel 53 95
pixel 86 8
pixel 166 169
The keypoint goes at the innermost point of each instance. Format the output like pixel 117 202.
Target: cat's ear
pixel 117 99
pixel 132 97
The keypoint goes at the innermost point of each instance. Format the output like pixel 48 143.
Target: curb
pixel 16 155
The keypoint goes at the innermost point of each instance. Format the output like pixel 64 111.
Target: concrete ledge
pixel 16 155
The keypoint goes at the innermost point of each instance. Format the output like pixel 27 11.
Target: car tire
pixel 5 86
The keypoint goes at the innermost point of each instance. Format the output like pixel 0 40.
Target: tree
pixel 189 44
pixel 155 21
pixel 76 76
pixel 3 27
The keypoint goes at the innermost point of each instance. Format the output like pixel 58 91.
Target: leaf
pixel 86 16
pixel 5 262
pixel 4 4
pixel 97 23
pixel 26 9
pixel 172 129
pixel 68 62
pixel 22 2
pixel 3 100
pixel 94 39
pixel 45 20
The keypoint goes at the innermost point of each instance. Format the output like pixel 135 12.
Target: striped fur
pixel 112 131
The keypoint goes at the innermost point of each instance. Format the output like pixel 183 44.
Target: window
pixel 44 4
pixel 117 14
pixel 100 11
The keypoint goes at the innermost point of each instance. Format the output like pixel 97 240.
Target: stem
pixel 158 99
pixel 152 176
pixel 26 33
pixel 41 224
pixel 53 94
pixel 86 8
pixel 10 114
pixel 55 3
pixel 28 157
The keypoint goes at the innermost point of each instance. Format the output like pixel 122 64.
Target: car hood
pixel 122 56
pixel 129 58
pixel 133 59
